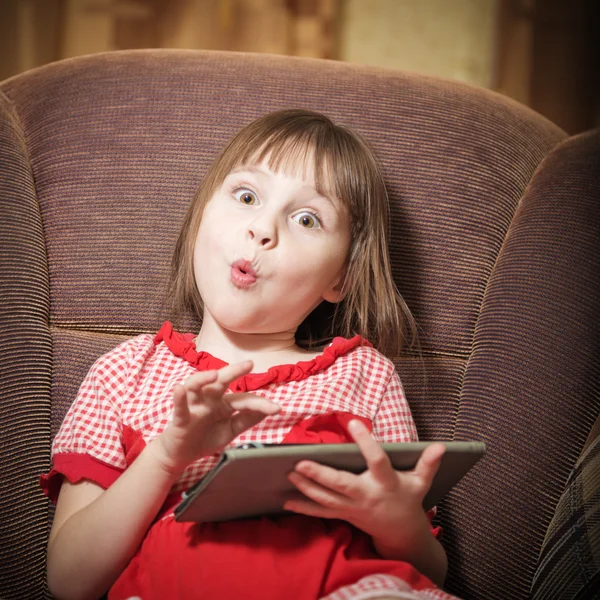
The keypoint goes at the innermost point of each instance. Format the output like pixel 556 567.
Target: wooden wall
pixel 543 53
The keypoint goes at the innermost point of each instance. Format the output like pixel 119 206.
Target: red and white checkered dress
pixel 126 401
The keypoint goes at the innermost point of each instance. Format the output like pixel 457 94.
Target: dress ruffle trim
pixel 74 467
pixel 183 346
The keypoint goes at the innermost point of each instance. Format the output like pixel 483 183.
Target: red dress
pixel 124 402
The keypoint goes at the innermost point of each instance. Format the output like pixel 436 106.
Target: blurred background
pixel 543 53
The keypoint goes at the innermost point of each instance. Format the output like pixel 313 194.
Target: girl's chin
pixel 235 318
pixel 250 327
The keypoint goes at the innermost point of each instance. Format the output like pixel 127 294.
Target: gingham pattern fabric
pixel 131 385
pixel 386 586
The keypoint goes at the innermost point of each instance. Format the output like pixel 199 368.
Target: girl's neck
pixel 265 350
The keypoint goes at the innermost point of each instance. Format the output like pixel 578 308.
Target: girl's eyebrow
pixel 337 207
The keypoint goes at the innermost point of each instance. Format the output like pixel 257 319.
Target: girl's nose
pixel 263 232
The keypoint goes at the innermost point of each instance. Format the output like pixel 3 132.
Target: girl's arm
pixel 96 533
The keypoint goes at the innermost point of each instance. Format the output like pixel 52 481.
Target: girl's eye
pixel 246 197
pixel 307 220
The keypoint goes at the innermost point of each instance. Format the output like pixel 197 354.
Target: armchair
pixel 495 223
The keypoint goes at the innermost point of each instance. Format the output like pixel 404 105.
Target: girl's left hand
pixel 381 501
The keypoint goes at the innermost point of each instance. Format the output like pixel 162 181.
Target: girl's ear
pixel 337 292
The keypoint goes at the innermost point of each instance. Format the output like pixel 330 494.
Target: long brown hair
pixel 344 164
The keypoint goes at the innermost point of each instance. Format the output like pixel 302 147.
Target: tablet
pixel 251 480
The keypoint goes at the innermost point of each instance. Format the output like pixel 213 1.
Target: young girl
pixel 283 250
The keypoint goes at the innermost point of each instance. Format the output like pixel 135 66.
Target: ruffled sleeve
pixel 393 420
pixel 90 443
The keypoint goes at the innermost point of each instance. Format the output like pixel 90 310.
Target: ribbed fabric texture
pixel 25 369
pixel 531 385
pixel 492 221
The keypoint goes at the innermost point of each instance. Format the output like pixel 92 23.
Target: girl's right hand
pixel 205 419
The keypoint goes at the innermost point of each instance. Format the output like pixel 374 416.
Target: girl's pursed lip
pixel 242 274
pixel 244 266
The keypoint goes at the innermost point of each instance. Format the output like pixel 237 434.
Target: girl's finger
pixel 341 482
pixel 429 462
pixel 322 496
pixel 251 402
pixel 242 421
pixel 181 411
pixel 377 460
pixel 195 382
pixel 228 375
pixel 304 506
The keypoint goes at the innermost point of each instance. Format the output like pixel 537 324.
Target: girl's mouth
pixel 242 274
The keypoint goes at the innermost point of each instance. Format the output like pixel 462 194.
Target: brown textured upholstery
pixel 495 246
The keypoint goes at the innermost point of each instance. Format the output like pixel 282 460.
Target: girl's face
pixel 269 250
